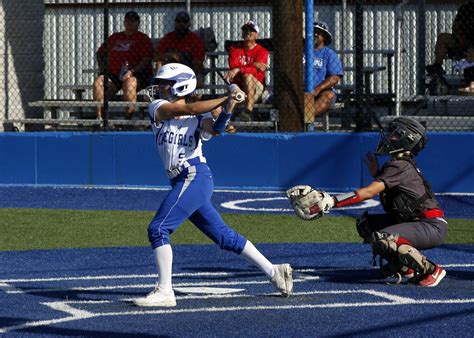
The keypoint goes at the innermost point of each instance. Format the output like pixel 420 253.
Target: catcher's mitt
pixel 309 203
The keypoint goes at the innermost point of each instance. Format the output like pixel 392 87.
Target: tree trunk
pixel 288 63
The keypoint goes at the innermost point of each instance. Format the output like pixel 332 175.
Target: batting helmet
pixel 402 134
pixel 180 77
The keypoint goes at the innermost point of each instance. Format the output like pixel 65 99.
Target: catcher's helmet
pixel 180 77
pixel 402 134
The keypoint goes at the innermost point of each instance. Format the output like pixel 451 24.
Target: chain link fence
pixel 371 62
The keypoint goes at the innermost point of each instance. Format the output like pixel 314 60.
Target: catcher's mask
pixel 402 134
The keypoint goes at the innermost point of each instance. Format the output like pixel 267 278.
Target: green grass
pixel 26 229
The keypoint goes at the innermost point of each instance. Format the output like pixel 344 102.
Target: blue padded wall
pixel 332 161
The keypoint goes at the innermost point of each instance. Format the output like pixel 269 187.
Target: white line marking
pixel 457 265
pixel 38 323
pixel 235 205
pixel 288 307
pixel 191 290
pixel 145 286
pixel 78 314
pixel 283 307
pixel 389 296
pixel 4 282
pixel 64 307
pixel 9 288
pixel 233 309
pixel 60 306
pixel 296 294
pixel 104 277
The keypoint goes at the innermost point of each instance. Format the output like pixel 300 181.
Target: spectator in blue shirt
pixel 327 69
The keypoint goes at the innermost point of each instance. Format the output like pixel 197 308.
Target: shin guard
pixel 412 258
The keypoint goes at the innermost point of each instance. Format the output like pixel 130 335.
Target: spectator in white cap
pixel 327 69
pixel 248 62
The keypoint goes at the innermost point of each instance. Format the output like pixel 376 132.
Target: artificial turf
pixel 27 229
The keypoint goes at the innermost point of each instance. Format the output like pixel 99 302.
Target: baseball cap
pixel 323 28
pixel 183 16
pixel 132 16
pixel 251 25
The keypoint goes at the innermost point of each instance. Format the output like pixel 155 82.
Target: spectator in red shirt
pixel 248 62
pixel 181 45
pixel 129 61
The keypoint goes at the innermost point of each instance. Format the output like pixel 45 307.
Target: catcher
pixel 413 220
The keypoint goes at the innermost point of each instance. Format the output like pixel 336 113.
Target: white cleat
pixel 157 298
pixel 283 280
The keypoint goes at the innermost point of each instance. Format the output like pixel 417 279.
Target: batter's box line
pixel 150 286
pixel 137 276
pixel 4 282
pixel 77 314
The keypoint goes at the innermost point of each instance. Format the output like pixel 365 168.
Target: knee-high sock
pixel 164 262
pixel 253 256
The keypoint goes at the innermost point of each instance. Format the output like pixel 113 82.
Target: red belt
pixel 433 213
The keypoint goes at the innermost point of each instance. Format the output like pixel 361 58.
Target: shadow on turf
pixel 11 321
pixel 84 333
pixel 460 274
pixel 346 276
pixel 405 325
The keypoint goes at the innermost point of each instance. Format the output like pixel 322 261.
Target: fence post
pixel 420 47
pixel 363 120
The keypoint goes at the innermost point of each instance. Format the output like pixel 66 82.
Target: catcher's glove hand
pixel 309 203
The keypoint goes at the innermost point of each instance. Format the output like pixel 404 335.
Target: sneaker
pixel 434 278
pixel 283 280
pixel 157 298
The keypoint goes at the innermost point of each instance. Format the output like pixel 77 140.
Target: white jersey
pixel 178 139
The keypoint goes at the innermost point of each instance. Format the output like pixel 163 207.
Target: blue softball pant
pixel 190 198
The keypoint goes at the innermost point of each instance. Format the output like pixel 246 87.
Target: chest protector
pixel 406 206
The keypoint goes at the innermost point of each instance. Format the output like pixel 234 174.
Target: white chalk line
pixel 188 275
pixel 145 286
pixel 375 293
pixel 237 205
pixel 134 276
pixel 77 314
pixel 5 282
pixel 81 314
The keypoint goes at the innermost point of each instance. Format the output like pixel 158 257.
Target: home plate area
pixel 336 292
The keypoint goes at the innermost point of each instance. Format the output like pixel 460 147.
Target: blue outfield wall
pixel 332 161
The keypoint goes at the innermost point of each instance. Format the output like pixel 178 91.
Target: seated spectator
pixel 182 46
pixel 129 60
pixel 456 45
pixel 248 62
pixel 327 69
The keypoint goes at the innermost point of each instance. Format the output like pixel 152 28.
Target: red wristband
pixel 347 199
